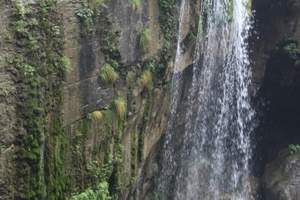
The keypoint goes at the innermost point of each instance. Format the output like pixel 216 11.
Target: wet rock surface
pixel 282 178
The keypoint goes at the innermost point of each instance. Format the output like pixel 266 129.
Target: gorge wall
pixel 85 95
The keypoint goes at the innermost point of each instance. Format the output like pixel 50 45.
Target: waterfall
pixel 169 163
pixel 213 160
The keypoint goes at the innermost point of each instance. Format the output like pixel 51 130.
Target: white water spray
pixel 213 162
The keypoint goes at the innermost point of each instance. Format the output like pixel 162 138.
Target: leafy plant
pixel 294 148
pixel 28 70
pixel 101 174
pixel 145 39
pixel 86 15
pixel 66 63
pixel 101 193
pixel 20 26
pixel 145 80
pixel 291 49
pixel 168 25
pixel 86 195
pixel 167 19
pixel 108 74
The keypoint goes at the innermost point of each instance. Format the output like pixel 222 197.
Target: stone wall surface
pixel 281 178
pixel 85 141
pixel 8 119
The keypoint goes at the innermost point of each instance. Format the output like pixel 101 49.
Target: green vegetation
pixel 168 24
pixel 119 106
pixel 294 148
pixel 133 154
pixel 141 136
pixel 89 194
pixel 108 74
pixel 95 3
pixel 101 191
pixel 130 79
pixel 167 20
pixel 109 41
pixel 145 39
pixel 55 173
pixel 86 17
pixel 145 80
pixel 289 48
pixel 104 174
pixel 41 69
pixel 249 7
pixel 288 51
pixel 189 40
pixel 78 157
pixel 136 4
pixel 229 10
pixel 97 116
pixel 66 63
pixel 43 146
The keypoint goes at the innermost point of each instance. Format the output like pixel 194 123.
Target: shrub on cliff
pixel 145 80
pixel 119 106
pixel 108 74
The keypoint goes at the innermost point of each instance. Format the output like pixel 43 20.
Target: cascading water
pixel 168 154
pixel 213 162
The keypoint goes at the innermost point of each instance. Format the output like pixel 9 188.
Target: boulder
pixel 282 177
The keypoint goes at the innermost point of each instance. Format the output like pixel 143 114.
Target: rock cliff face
pixel 276 65
pixel 90 128
pixel 85 92
pixel 281 179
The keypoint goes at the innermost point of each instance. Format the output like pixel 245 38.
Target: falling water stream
pixel 168 154
pixel 177 77
pixel 213 161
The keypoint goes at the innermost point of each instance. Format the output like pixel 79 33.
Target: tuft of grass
pixel 135 4
pixel 97 116
pixel 144 39
pixel 145 80
pixel 130 78
pixel 119 106
pixel 108 74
